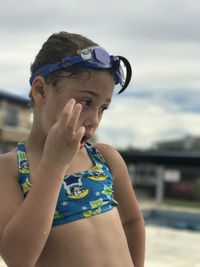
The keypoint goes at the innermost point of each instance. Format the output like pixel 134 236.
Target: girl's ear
pixel 38 90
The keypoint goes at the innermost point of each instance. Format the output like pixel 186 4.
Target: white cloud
pixel 140 123
pixel 160 38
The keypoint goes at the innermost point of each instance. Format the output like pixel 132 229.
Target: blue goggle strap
pixel 91 58
pixel 95 56
pixel 48 69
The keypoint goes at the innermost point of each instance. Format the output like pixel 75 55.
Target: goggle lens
pixel 102 56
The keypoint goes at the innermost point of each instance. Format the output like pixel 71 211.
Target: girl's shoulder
pixel 11 196
pixel 105 149
pixel 8 164
pixel 111 155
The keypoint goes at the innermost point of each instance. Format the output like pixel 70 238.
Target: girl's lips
pixel 84 139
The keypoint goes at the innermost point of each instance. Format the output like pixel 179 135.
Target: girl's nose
pixel 92 120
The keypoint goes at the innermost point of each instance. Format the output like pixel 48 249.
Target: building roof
pixel 13 97
pixel 169 158
pixel 187 142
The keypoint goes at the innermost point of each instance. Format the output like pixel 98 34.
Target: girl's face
pixel 93 92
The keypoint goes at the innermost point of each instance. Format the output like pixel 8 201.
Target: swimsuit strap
pixel 23 164
pixel 23 167
pixel 95 154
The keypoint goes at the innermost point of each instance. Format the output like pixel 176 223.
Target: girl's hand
pixel 63 140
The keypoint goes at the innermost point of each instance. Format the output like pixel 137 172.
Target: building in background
pixel 170 171
pixel 15 120
pixel 188 142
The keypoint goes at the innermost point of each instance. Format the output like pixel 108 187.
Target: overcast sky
pixel 161 38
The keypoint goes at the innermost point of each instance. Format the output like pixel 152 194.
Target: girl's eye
pixel 86 102
pixel 104 108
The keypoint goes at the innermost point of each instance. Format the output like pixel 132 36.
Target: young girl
pixel 64 201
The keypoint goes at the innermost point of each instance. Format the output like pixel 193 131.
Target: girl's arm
pixel 25 223
pixel 130 214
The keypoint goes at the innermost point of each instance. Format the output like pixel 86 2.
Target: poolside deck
pixel 167 247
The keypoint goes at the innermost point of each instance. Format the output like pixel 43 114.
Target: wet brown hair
pixel 58 46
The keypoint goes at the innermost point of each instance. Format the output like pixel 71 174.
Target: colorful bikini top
pixel 82 194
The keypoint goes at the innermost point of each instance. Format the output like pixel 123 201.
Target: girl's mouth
pixel 83 140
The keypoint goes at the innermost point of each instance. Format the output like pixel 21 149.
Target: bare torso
pixel 96 241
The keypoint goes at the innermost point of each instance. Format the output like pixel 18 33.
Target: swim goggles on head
pixel 94 57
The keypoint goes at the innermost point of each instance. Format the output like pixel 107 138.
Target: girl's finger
pixel 73 119
pixel 79 134
pixel 68 108
pixel 67 111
